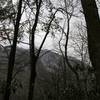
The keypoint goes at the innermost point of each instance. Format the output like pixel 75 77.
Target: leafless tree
pixel 12 54
pixel 92 19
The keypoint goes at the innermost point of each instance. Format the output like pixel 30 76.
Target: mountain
pixel 50 73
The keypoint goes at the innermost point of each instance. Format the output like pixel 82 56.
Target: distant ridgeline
pixel 53 76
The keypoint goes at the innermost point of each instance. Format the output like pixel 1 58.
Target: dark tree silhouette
pixel 12 54
pixel 33 57
pixel 90 11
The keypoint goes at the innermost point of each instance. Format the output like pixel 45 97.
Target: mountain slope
pixel 49 72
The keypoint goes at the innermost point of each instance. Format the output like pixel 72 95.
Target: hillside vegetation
pixel 50 75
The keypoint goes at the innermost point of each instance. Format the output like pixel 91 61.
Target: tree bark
pixel 11 59
pixel 93 31
pixel 33 57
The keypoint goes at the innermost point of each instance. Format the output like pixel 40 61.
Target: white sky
pixel 49 43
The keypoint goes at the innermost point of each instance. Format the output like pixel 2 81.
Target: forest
pixel 49 49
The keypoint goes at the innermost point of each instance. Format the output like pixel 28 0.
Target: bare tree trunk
pixel 93 31
pixel 33 57
pixel 12 54
pixel 66 47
